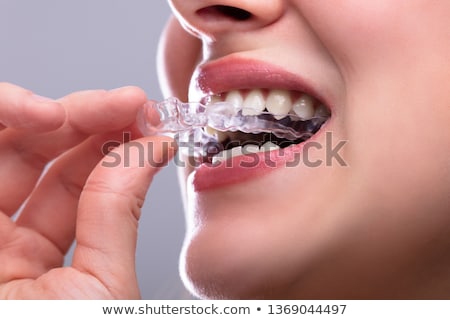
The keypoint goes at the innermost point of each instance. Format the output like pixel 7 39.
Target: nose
pixel 211 18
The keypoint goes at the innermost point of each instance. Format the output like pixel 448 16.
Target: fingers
pixel 109 211
pixel 20 108
pixel 55 199
pixel 23 156
pixel 93 112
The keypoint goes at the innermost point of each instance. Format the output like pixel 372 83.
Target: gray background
pixel 55 47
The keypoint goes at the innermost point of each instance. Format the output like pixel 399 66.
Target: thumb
pixel 109 210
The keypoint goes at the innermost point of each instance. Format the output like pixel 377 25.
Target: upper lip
pixel 233 72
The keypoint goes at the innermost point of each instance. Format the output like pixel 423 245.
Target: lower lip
pixel 243 168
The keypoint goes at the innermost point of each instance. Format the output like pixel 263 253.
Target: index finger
pixel 20 108
pixel 96 111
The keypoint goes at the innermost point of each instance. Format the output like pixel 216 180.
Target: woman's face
pixel 361 209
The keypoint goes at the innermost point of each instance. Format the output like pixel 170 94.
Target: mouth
pixel 299 112
pixel 260 90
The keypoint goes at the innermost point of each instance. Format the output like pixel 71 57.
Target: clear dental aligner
pixel 186 122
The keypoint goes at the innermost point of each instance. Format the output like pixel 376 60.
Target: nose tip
pixel 211 18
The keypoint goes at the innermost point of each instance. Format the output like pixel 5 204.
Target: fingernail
pixel 117 89
pixel 41 98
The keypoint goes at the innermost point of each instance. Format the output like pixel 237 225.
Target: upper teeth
pixel 278 102
pixel 253 104
pixel 304 107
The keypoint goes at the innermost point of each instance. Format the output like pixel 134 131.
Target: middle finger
pixel 24 156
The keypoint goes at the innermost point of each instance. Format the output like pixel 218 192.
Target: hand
pixel 77 197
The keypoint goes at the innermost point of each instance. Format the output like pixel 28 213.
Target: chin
pixel 247 241
pixel 216 266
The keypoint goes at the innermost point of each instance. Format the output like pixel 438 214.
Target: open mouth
pixel 298 111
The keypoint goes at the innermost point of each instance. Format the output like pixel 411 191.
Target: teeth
pixel 214 99
pixel 211 131
pixel 221 136
pixel 220 157
pixel 235 98
pixel 322 111
pixel 304 107
pixel 279 103
pixel 254 104
pixel 269 146
pixel 250 148
pixel 227 154
pixel 245 150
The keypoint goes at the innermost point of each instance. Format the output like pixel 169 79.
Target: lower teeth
pixel 243 150
pixel 207 148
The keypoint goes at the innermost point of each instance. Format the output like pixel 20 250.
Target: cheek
pixel 395 114
pixel 364 34
pixel 175 66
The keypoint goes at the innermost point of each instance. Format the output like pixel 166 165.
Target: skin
pixel 375 229
pixel 378 228
pixel 97 205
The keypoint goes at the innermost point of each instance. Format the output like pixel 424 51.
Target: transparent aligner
pixel 186 123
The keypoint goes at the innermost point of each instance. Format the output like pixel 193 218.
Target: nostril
pixel 225 11
pixel 233 12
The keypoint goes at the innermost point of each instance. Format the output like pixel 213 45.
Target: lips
pixel 216 80
pixel 231 73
